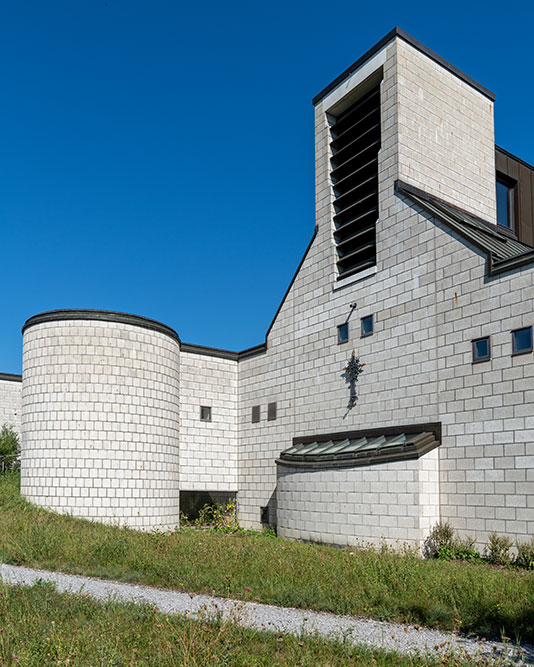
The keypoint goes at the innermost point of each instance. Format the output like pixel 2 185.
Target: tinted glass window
pixel 367 325
pixel 343 333
pixel 522 340
pixel 481 349
pixel 503 204
pixel 205 413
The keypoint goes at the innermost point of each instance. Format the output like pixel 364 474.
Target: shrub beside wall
pixel 443 543
pixel 9 448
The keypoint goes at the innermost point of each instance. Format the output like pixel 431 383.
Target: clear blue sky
pixel 157 157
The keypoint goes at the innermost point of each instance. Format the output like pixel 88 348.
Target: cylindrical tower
pixel 100 420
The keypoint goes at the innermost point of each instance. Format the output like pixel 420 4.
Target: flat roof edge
pixel 398 32
pixel 11 377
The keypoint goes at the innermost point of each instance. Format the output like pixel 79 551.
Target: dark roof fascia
pixel 224 354
pixel 433 427
pixel 10 377
pixel 143 322
pixel 314 236
pixel 501 266
pixel 252 351
pixel 100 316
pixel 495 267
pixel 398 32
pixel 407 189
pixel 209 351
pixel 514 157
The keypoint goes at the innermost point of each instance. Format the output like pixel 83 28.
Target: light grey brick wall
pixel 10 403
pixel 386 502
pixel 446 141
pixel 100 422
pixel 430 297
pixel 208 450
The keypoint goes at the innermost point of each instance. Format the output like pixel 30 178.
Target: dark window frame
pixel 205 419
pixel 511 184
pixel 479 359
pixel 515 351
pixel 368 333
pixel 255 417
pixel 340 340
pixel 271 411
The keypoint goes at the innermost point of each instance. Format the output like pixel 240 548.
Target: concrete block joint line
pixel 405 639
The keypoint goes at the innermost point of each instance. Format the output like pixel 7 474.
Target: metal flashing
pixel 100 316
pixel 11 377
pixel 398 32
pixel 362 448
pixel 504 251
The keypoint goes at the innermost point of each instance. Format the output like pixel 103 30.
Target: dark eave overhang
pixel 402 453
pixel 11 377
pixel 398 32
pixel 496 265
pixel 514 157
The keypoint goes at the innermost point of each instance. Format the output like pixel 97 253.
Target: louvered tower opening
pixel 355 145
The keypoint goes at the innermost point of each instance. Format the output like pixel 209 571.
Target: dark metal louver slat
pixel 348 228
pixel 340 169
pixel 345 152
pixel 345 214
pixel 348 182
pixel 343 138
pixel 347 118
pixel 354 172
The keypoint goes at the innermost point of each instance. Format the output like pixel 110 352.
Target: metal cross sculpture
pixel 352 370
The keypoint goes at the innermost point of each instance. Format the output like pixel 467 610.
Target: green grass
pixel 40 627
pixel 377 584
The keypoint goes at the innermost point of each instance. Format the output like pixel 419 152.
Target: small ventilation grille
pixel 355 145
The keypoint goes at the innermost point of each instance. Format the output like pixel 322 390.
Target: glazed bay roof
pixel 362 448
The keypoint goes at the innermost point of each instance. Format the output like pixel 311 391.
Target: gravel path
pixel 377 634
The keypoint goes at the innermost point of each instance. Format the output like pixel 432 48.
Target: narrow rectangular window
pixel 354 172
pixel 367 326
pixel 271 411
pixel 522 341
pixel 506 189
pixel 481 349
pixel 205 413
pixel 255 414
pixel 343 333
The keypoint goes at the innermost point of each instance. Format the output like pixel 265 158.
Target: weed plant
pixel 42 628
pixel 378 583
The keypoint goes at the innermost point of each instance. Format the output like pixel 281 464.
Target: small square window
pixel 343 333
pixel 481 349
pixel 522 340
pixel 255 414
pixel 271 412
pixel 367 326
pixel 205 413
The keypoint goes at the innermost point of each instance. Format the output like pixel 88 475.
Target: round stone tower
pixel 100 420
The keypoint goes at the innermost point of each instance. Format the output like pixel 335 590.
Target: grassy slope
pixel 367 583
pixel 41 628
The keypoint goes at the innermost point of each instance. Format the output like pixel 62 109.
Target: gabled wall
pixel 430 298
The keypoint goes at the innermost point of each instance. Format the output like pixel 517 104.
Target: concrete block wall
pixel 430 298
pixel 487 409
pixel 11 401
pixel 208 449
pixel 446 141
pixel 100 421
pixel 350 506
